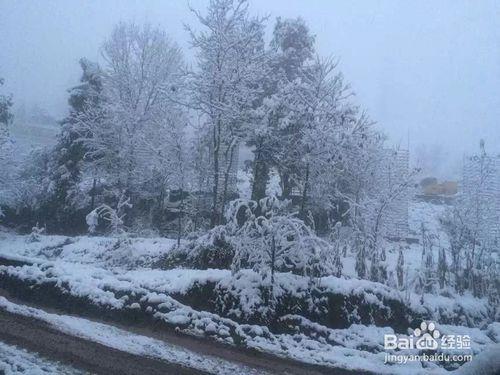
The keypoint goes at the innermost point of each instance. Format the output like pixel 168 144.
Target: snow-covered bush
pixel 261 236
pixel 113 217
pixel 268 239
pixel 211 250
pixel 36 231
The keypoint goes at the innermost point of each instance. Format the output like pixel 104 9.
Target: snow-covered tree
pixel 371 205
pixel 291 50
pixel 276 241
pixel 199 163
pixel 309 129
pixel 339 246
pixel 7 171
pixel 225 85
pixel 65 199
pixel 427 272
pixel 33 183
pixel 173 165
pixel 493 285
pixel 383 266
pixel 71 152
pixel 130 137
pixel 377 269
pixel 36 231
pixel 6 150
pixel 321 107
pixel 459 234
pixel 361 253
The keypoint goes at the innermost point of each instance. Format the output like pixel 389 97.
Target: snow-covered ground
pixel 105 252
pixel 109 252
pixel 138 253
pixel 93 268
pixel 365 343
pixel 14 360
pixel 101 285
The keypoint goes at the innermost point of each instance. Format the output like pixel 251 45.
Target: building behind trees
pixel 481 189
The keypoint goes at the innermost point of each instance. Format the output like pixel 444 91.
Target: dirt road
pixel 37 336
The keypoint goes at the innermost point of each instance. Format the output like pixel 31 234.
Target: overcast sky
pixel 430 69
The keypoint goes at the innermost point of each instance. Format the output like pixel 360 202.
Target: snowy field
pixel 109 252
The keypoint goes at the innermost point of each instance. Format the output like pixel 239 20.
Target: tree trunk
pixel 286 185
pixel 273 261
pixel 179 220
pixel 260 176
pixel 229 154
pixel 304 195
pixel 215 216
pixel 92 194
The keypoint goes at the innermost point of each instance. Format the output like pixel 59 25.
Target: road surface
pixel 37 336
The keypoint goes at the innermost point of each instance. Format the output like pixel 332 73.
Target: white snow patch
pixel 14 360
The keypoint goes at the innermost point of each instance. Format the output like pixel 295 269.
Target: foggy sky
pixel 430 69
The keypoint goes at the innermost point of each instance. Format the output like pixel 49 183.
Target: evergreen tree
pixel 67 158
pixel 291 51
